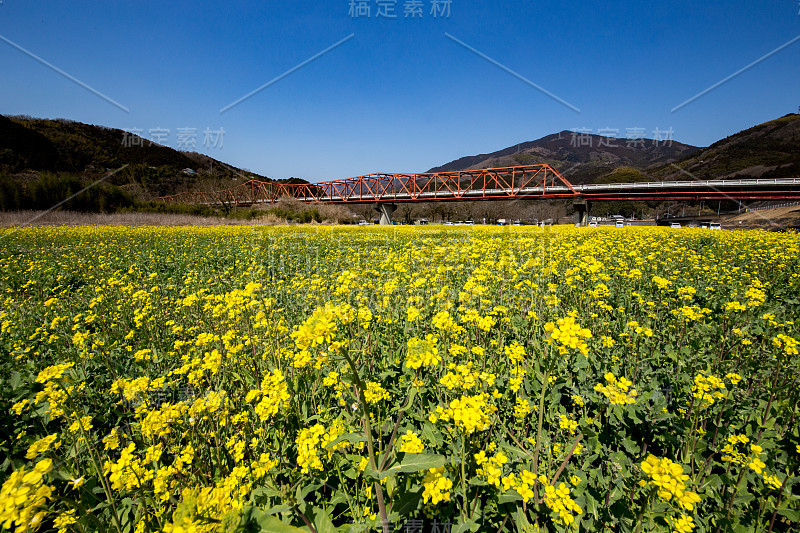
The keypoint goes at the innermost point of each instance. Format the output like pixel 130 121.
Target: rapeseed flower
pixel 618 391
pixel 670 481
pixel 568 334
pixel 23 497
pixel 559 500
pixel 708 389
pixel 375 392
pixel 410 443
pixel 468 413
pixel 436 486
pixel 422 352
pixel 43 445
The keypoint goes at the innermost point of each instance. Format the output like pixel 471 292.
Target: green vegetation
pixel 328 379
pixel 524 159
pixel 623 175
pixel 290 215
pixel 49 189
pixel 32 147
pixel 626 209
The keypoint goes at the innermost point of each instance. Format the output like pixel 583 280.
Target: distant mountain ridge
pixel 32 146
pixel 583 156
pixel 767 150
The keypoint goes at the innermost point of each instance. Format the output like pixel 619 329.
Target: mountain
pixel 32 147
pixel 768 150
pixel 22 147
pixel 581 157
pixel 44 160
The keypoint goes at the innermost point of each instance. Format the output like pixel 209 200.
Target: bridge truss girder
pixel 527 182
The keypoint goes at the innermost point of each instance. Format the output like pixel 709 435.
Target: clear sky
pixel 397 94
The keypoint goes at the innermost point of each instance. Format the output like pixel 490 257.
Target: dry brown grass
pixel 334 213
pixel 269 220
pixel 69 218
pixel 772 219
pixel 329 213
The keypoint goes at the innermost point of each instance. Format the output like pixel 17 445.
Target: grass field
pixel 411 379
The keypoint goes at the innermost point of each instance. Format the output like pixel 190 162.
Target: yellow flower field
pixel 414 378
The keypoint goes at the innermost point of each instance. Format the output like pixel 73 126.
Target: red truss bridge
pixel 529 182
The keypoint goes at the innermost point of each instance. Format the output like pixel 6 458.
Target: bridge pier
pixel 582 208
pixel 385 211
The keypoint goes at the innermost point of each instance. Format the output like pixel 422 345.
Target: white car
pixel 363 223
pixel 619 223
pixel 675 225
pixel 715 226
pixel 593 224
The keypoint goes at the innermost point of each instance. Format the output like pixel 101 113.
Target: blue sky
pixel 399 95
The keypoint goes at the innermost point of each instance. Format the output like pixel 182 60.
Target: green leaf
pixel 792 514
pixel 519 452
pixel 521 519
pixel 16 380
pixel 463 527
pixel 713 481
pixel 591 505
pixel 275 509
pixel 305 490
pixel 431 434
pixel 411 462
pixel 274 525
pixel 337 499
pixel 407 503
pixel 410 401
pixel 321 520
pixel 509 496
pixel 387 374
pixel 630 446
pixel 352 438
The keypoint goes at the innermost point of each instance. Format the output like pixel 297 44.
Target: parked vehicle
pixel 675 225
pixel 715 226
pixel 593 224
pixel 620 223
